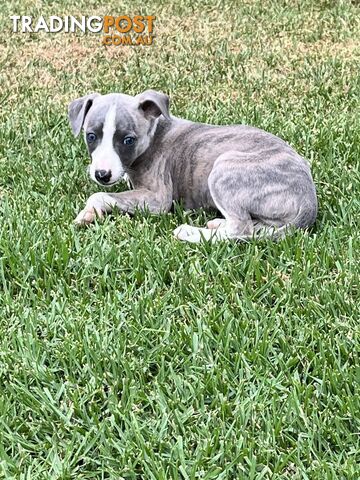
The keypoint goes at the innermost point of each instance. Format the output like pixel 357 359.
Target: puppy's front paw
pixel 86 217
pixel 96 207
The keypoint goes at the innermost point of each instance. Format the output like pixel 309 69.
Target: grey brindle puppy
pixel 253 178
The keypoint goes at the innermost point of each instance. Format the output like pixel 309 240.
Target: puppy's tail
pixel 304 219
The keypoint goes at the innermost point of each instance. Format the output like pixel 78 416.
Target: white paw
pixel 216 223
pixel 85 217
pixel 96 206
pixel 187 233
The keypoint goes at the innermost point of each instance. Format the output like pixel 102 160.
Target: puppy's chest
pixel 127 180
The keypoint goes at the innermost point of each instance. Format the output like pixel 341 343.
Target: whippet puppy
pixel 254 179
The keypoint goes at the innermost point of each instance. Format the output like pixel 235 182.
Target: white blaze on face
pixel 104 156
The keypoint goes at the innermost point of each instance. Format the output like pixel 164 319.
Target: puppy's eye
pixel 129 140
pixel 90 137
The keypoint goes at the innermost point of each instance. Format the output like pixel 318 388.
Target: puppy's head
pixel 118 129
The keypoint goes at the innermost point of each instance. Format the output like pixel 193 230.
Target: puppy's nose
pixel 103 176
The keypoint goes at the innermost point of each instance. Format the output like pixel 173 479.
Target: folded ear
pixel 153 104
pixel 78 110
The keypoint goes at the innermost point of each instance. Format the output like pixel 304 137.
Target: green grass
pixel 125 354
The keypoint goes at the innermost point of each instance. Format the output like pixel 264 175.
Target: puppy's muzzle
pixel 103 176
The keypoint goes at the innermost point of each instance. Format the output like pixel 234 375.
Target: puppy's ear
pixel 153 104
pixel 78 110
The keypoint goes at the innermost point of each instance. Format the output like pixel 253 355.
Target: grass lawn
pixel 125 354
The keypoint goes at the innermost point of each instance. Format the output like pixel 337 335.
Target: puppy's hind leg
pixel 229 228
pixel 191 234
pixel 216 223
pixel 231 199
pixel 256 199
pixel 237 223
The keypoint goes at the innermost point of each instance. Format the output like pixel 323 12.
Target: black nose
pixel 103 176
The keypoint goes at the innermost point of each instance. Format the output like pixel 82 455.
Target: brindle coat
pixel 255 179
